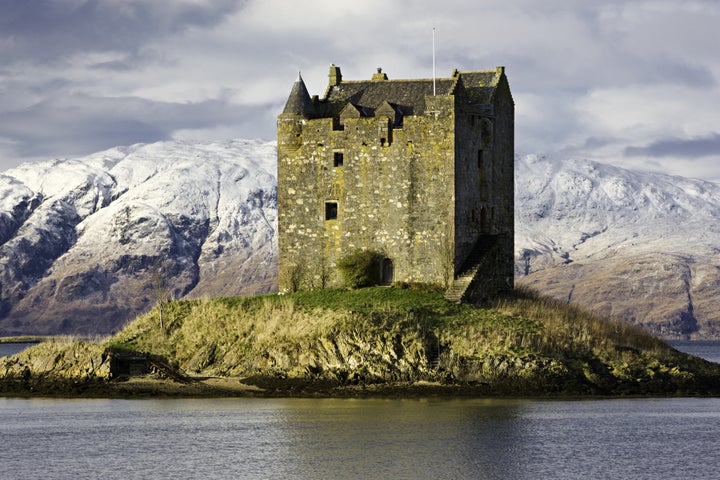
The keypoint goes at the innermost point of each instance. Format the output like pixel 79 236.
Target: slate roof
pixel 480 85
pixel 407 97
pixel 299 101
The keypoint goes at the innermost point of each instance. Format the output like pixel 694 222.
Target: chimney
pixel 335 76
pixel 379 75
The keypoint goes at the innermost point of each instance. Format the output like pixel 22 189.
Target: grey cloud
pixel 81 125
pixel 672 71
pixel 175 51
pixel 678 147
pixel 42 31
pixel 130 61
pixel 593 142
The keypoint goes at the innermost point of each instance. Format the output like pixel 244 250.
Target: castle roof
pixel 481 85
pixel 299 101
pixel 407 97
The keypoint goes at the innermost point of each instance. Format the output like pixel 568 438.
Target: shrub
pixel 361 268
pixel 294 275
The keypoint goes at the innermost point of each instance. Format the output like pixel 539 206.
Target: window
pixel 331 210
pixel 337 159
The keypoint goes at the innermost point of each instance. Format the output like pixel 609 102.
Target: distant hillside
pixel 642 246
pixel 88 243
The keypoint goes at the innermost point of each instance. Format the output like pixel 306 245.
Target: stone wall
pixel 421 191
pixel 394 193
pixel 484 185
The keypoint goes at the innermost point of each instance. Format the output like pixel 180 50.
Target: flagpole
pixel 433 61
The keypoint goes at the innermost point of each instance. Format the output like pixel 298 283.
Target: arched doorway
pixel 387 271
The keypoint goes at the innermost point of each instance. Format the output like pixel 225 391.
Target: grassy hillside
pixel 384 340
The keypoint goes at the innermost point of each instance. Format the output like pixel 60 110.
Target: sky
pixel 631 83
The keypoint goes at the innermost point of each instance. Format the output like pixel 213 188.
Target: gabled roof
pixel 387 110
pixel 481 85
pixel 407 97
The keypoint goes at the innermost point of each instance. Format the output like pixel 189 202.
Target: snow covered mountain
pixel 86 243
pixel 642 246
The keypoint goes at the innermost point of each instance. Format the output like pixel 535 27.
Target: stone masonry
pixel 420 171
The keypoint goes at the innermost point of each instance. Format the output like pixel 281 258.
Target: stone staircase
pixel 461 283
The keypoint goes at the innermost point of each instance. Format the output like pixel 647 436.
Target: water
pixel 7 349
pixel 368 439
pixel 707 349
pixel 362 439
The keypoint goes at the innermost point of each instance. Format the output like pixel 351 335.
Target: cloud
pixel 80 124
pixel 49 31
pixel 679 147
pixel 608 80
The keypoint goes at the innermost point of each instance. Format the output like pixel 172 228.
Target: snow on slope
pixel 642 246
pixel 84 238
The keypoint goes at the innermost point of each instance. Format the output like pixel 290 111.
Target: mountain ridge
pixel 83 258
pixel 642 246
pixel 85 243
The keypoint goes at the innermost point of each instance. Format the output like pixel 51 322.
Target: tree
pixel 163 294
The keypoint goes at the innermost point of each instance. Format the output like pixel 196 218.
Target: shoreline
pixel 149 386
pixel 374 342
pixel 26 339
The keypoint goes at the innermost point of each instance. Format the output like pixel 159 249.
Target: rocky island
pixel 379 341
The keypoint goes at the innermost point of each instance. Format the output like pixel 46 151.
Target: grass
pixel 203 333
pixel 567 328
pixel 383 335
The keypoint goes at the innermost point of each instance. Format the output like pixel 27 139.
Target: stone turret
pixel 299 102
pixel 298 109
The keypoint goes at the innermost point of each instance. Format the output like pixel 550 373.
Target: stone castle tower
pixel 419 171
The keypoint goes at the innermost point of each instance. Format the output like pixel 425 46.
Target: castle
pixel 419 171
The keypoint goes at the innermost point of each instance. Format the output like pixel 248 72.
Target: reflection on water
pixel 388 437
pixel 368 439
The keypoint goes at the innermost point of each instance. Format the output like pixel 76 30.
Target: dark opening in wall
pixel 387 271
pixel 338 159
pixel 484 220
pixel 331 210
